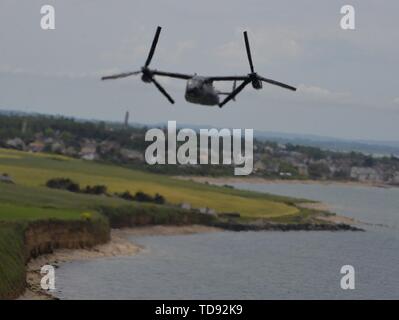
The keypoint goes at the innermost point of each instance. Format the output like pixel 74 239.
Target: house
pixel 268 149
pixel 36 146
pixel 395 178
pixel 365 174
pixel 302 169
pixel 89 156
pixel 185 206
pixel 89 151
pixel 130 154
pixel 15 143
pixel 48 140
pixel 259 166
pixel 58 147
pixel 207 211
pixel 285 174
pixel 109 146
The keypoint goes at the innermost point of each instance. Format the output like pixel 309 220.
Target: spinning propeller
pixel 253 78
pixel 147 74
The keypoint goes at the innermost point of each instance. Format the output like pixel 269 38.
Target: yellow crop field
pixel 35 169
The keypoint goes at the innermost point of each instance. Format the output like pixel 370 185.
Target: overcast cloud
pixel 347 80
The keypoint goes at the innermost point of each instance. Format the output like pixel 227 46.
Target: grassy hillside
pixel 12 266
pixel 12 212
pixel 33 170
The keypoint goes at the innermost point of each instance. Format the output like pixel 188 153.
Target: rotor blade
pixel 235 92
pixel 163 91
pixel 120 75
pixel 154 44
pixel 248 51
pixel 276 83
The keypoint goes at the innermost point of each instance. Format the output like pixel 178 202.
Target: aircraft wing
pixel 172 74
pixel 189 76
pixel 228 78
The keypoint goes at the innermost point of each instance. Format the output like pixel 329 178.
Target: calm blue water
pixel 257 265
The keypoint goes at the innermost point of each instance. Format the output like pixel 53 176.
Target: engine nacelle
pixel 257 84
pixel 146 78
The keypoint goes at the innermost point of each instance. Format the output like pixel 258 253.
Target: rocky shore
pixel 119 245
pixel 56 242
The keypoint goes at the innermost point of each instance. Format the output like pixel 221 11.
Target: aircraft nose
pixel 192 91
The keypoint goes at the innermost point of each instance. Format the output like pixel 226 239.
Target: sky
pixel 347 79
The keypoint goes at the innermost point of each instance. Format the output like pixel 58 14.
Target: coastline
pixel 335 218
pixel 258 180
pixel 119 245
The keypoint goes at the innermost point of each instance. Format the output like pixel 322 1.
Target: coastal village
pixel 124 144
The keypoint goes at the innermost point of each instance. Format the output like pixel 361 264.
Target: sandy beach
pixel 119 245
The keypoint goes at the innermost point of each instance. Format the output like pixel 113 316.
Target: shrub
pixel 159 199
pixel 63 184
pixel 87 216
pixel 125 195
pixel 143 197
pixel 97 189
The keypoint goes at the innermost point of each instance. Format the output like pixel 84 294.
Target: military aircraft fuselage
pixel 200 90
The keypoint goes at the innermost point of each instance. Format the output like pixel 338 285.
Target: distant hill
pixel 333 144
pixel 377 148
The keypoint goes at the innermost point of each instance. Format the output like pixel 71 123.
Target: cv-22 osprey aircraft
pixel 200 89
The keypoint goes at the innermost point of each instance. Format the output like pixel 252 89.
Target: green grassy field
pixel 33 170
pixel 12 212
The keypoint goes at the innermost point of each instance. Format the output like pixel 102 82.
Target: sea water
pixel 257 265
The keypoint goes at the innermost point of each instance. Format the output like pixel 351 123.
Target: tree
pixel 368 161
pixel 318 170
